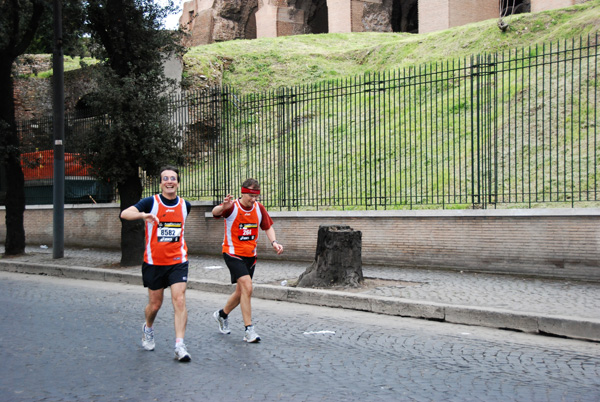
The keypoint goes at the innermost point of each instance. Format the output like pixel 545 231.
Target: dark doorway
pixel 510 7
pixel 317 20
pixel 405 16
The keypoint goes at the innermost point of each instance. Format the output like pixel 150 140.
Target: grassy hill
pixel 265 64
pixel 531 156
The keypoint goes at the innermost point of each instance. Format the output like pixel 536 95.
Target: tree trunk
pixel 132 232
pixel 338 260
pixel 11 160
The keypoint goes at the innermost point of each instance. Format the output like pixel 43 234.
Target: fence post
pixel 491 165
pixel 218 97
pixel 281 149
pixel 474 133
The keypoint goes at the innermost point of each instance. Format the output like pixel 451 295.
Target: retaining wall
pixel 561 243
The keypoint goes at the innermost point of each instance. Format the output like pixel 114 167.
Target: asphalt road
pixel 76 340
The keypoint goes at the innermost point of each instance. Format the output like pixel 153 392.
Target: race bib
pixel 247 231
pixel 168 231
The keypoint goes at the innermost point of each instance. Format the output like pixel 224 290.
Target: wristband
pixel 274 241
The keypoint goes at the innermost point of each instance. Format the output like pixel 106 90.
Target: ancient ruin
pixel 211 21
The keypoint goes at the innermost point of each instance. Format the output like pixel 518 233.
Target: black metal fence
pixel 518 128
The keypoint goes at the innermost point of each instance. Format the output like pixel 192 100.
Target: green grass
pixel 70 64
pixel 566 163
pixel 268 63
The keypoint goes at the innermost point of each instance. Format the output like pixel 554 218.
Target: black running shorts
pixel 157 277
pixel 239 266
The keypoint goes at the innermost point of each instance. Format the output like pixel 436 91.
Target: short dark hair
pixel 251 183
pixel 169 167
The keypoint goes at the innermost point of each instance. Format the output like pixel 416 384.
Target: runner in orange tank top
pixel 243 218
pixel 165 257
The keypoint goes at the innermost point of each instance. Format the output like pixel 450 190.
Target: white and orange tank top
pixel 165 242
pixel 241 228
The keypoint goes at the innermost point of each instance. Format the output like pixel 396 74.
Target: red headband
pixel 246 190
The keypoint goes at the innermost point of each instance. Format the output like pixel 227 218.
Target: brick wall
pixel 434 15
pixel 562 243
pixel 339 16
pixel 464 12
pixel 543 5
pixel 290 21
pixel 266 22
pixel 356 15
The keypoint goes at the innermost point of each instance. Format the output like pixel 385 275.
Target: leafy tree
pixel 19 20
pixel 74 40
pixel 132 93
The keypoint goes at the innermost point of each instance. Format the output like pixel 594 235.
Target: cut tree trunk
pixel 338 260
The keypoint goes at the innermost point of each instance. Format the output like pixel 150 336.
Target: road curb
pixel 569 327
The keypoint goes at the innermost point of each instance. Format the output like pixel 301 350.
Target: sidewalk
pixel 552 307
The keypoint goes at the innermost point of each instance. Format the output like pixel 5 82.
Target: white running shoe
pixel 181 353
pixel 147 338
pixel 223 323
pixel 251 336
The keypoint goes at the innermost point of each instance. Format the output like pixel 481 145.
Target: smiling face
pixel 169 183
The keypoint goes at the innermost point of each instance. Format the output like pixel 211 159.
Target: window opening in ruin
pixel 405 16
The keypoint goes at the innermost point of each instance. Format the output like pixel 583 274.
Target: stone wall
pixel 33 95
pixel 561 243
pixel 217 20
pixel 209 21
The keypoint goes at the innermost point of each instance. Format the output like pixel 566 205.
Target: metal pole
pixel 59 134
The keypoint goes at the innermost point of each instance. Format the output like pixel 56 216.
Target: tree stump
pixel 338 260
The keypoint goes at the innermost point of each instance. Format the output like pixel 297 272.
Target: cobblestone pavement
pixel 527 295
pixel 72 340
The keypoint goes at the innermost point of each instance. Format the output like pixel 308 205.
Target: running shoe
pixel 251 336
pixel 181 353
pixel 223 323
pixel 147 338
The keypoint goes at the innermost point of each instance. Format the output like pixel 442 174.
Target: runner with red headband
pixel 243 217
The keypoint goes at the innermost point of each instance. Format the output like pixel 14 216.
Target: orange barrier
pixel 40 165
